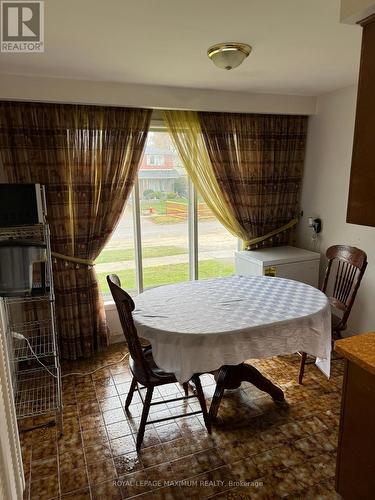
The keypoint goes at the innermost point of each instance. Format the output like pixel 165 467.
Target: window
pixel 167 233
pixel 118 256
pixel 216 245
pixel 164 217
pixel 155 159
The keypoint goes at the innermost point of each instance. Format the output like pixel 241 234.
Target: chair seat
pixel 157 376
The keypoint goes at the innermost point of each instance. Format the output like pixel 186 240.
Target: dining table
pixel 215 325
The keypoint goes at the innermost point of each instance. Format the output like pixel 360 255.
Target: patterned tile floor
pixel 257 450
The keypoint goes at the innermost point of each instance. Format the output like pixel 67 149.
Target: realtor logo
pixel 22 26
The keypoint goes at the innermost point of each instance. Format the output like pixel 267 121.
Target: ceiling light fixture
pixel 228 55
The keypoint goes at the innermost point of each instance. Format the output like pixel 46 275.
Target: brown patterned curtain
pixel 258 163
pixel 87 157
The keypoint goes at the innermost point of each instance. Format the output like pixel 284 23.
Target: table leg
pixel 231 376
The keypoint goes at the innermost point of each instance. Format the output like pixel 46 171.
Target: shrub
pixel 160 195
pixel 148 194
pixel 181 186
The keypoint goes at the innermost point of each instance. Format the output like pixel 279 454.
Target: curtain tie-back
pixel 75 260
pixel 259 239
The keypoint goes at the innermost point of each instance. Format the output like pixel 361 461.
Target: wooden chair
pixel 142 365
pixel 341 287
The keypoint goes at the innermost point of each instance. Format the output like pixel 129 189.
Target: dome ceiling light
pixel 228 55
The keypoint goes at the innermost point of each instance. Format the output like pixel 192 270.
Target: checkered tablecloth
pixel 198 326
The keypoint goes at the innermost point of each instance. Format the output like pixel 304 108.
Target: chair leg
pixel 302 367
pixel 202 402
pixel 142 425
pixel 336 335
pixel 218 394
pixel 130 394
pixel 185 385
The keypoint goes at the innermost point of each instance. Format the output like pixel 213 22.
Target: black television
pixel 20 204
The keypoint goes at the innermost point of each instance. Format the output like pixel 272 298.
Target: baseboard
pixel 115 338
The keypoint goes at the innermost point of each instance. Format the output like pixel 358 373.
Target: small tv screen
pixel 18 205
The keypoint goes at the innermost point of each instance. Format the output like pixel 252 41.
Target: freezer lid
pixel 277 255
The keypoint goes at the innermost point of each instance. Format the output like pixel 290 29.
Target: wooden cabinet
pixel 361 203
pixel 355 470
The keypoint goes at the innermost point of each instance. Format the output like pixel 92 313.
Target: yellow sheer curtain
pixel 186 133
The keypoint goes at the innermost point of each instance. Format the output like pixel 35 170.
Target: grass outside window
pixel 174 273
pixel 121 254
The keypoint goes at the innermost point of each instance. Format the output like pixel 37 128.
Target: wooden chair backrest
pixel 351 263
pixel 125 305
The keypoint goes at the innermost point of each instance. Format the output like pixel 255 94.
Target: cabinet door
pixel 247 267
pixel 355 471
pixel 306 272
pixel 361 203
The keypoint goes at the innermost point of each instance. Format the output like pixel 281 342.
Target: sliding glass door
pixel 163 198
pixel 167 233
pixel 118 256
pixel 216 245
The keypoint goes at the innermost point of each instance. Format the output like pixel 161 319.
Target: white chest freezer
pixel 284 262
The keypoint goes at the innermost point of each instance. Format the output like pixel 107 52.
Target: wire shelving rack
pixel 37 388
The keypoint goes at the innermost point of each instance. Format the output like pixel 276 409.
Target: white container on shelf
pixel 284 262
pixel 16 265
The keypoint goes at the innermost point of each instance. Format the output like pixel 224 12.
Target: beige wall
pixel 325 193
pixel 352 11
pixel 150 96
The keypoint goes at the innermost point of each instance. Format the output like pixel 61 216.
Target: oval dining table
pixel 215 325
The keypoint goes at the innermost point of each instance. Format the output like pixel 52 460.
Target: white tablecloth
pixel 198 326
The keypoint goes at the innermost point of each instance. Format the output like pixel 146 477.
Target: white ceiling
pixel 299 46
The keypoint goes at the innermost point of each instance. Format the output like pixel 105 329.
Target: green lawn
pixel 162 275
pixel 119 254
